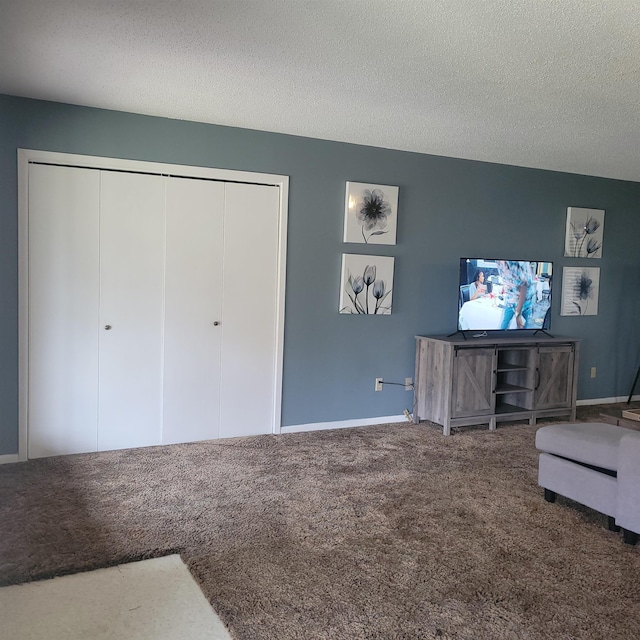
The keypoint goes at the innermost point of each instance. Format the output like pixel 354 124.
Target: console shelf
pixel 510 367
pixel 508 409
pixel 460 382
pixel 511 388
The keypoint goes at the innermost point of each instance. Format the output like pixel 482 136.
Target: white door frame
pixel 30 156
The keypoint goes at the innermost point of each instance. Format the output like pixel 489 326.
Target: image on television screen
pixel 504 295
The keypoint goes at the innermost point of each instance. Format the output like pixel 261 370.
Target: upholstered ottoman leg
pixel 630 537
pixel 549 496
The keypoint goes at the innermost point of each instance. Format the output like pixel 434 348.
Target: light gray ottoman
pixel 595 464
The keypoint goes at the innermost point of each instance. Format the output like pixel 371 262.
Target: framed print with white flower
pixel 370 213
pixel 366 284
pixel 584 233
pixel 580 290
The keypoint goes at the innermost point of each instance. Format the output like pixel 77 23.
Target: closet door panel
pixel 193 306
pixel 63 310
pixel 249 322
pixel 131 310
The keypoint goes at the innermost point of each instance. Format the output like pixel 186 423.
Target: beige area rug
pixel 387 532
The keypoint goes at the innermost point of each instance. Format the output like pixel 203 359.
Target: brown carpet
pixel 387 532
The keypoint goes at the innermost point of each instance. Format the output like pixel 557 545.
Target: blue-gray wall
pixel 448 208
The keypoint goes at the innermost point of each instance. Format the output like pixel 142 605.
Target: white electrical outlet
pixel 379 383
pixel 593 372
pixel 408 384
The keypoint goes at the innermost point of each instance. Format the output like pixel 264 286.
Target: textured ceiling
pixel 553 84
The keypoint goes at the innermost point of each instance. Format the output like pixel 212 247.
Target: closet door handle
pixel 216 323
pixel 107 327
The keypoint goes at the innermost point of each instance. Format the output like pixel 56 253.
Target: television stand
pixel 546 333
pixel 487 380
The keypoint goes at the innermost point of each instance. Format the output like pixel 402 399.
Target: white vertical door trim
pixel 23 301
pixel 280 300
pixel 28 156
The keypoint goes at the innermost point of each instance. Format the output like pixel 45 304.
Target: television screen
pixel 504 295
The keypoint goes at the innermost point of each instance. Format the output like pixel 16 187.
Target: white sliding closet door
pixel 152 305
pixel 132 234
pixel 193 310
pixel 63 310
pixel 250 309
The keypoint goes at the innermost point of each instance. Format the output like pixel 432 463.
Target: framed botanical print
pixel 371 213
pixel 584 233
pixel 366 284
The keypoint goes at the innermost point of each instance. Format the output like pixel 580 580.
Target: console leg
pixel 630 537
pixel 611 522
pixel 549 496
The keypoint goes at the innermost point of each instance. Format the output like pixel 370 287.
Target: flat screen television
pixel 504 295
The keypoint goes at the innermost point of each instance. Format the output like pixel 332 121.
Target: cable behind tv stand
pixel 459 382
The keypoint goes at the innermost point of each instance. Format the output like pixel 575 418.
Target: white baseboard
pixel 342 424
pixel 365 422
pixel 589 401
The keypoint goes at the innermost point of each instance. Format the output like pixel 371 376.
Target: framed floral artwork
pixel 584 233
pixel 370 213
pixel 366 284
pixel 580 290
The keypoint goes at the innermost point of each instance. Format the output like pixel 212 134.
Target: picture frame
pixel 366 284
pixel 370 213
pixel 580 291
pixel 584 233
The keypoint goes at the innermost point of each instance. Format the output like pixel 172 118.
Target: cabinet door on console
pixel 554 377
pixel 473 373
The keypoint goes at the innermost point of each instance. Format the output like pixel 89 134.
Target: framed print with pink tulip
pixel 366 284
pixel 370 213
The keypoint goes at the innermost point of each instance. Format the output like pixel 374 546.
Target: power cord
pixel 408 415
pixel 399 384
